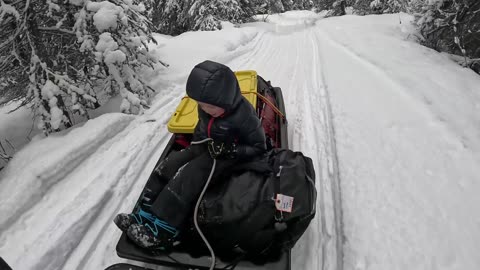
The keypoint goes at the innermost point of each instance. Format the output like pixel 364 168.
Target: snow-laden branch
pixel 69 55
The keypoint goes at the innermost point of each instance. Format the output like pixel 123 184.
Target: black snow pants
pixel 187 172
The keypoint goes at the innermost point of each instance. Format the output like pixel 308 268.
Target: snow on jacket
pixel 216 84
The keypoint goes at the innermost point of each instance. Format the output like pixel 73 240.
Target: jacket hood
pixel 215 84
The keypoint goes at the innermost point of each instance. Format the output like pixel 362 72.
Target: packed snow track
pixel 391 126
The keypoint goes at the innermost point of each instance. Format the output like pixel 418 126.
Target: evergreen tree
pixel 170 16
pixel 287 4
pixel 176 16
pixel 386 6
pixel 336 7
pixel 302 4
pixel 364 7
pixel 259 6
pixel 202 16
pixel 66 56
pixel 395 6
pixel 275 6
pixel 232 10
pixel 149 7
pixel 247 10
pixel 324 4
pixel 452 26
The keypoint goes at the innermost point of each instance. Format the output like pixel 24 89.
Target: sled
pixel 270 107
pixel 4 265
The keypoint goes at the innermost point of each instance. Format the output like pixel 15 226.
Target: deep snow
pixel 393 124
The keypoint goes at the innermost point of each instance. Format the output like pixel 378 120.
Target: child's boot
pixel 153 235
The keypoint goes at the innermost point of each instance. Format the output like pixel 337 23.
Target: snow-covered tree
pixel 452 26
pixel 176 16
pixel 247 10
pixel 302 4
pixel 339 7
pixel 207 14
pixel 201 15
pixel 336 7
pixel 170 16
pixel 287 4
pixel 324 4
pixel 67 56
pixel 276 6
pixel 259 6
pixel 234 11
pixel 364 7
pixel 394 6
pixel 387 6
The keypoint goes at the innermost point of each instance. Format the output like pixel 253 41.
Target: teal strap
pixel 157 223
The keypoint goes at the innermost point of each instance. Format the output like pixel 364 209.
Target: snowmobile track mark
pixel 51 259
pixel 114 210
pixel 334 172
pixel 52 176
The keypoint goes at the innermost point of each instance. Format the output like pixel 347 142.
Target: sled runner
pixel 191 253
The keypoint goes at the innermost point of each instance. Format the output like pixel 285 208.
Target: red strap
pixel 182 141
pixel 210 126
pixel 268 102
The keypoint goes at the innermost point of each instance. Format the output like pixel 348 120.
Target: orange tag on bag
pixel 284 203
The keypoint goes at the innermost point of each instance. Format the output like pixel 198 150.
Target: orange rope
pixel 268 102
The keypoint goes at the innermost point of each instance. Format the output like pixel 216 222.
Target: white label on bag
pixel 284 203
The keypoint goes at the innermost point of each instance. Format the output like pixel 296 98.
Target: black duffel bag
pixel 264 206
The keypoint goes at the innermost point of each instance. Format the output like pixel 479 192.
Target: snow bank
pixel 16 127
pixel 407 125
pixel 449 91
pixel 40 165
pixel 183 52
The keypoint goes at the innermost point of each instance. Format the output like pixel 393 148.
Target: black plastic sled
pixel 4 265
pixel 271 109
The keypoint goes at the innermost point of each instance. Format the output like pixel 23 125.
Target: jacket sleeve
pixel 252 138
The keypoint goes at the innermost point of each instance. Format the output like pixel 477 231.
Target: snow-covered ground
pixel 407 132
pixel 394 125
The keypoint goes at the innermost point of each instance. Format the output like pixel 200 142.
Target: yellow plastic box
pixel 185 117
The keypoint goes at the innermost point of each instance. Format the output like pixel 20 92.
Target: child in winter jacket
pixel 231 131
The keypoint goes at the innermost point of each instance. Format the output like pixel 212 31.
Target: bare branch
pixel 11 145
pixel 1 146
pixel 54 29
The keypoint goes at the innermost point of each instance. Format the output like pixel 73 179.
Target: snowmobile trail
pixel 57 169
pixel 331 148
pixel 407 170
pixel 103 179
pixel 111 173
pixel 391 127
pixel 127 187
pixel 422 106
pixel 104 230
pixel 291 60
